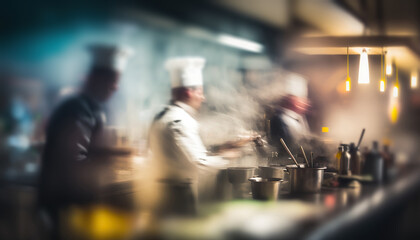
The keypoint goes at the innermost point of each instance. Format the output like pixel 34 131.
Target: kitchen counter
pixel 335 212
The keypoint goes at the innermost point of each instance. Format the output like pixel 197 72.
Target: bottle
pixel 374 164
pixel 345 160
pixel 338 159
pixel 389 164
pixel 355 159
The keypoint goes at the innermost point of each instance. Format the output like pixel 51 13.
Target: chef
pixel 289 120
pixel 179 155
pixel 67 171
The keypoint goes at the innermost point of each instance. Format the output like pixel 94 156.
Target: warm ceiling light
pixel 382 81
pixel 396 86
pixel 389 69
pixel 382 85
pixel 348 80
pixel 395 91
pixel 413 79
pixel 363 68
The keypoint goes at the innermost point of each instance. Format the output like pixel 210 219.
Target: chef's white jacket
pixel 178 154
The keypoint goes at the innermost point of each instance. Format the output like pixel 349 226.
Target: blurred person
pixel 68 173
pixel 179 156
pixel 288 120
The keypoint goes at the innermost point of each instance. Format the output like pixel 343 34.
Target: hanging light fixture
pixel 388 63
pixel 394 103
pixel 364 68
pixel 396 86
pixel 413 79
pixel 383 75
pixel 348 80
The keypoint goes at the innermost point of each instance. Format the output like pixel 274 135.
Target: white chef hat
pixel 296 85
pixel 185 71
pixel 110 56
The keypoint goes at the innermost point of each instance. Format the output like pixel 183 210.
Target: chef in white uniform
pixel 178 154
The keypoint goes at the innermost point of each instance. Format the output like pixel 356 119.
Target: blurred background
pixel 248 46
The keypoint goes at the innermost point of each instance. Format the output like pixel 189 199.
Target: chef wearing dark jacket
pixel 289 120
pixel 67 171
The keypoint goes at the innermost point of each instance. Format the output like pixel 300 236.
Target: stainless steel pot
pixel 240 174
pixel 305 180
pixel 272 172
pixel 265 188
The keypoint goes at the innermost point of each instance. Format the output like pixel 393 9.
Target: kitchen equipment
pixel 305 180
pixel 238 177
pixel 288 151
pixel 265 188
pixel 361 137
pixel 344 160
pixel 304 156
pixel 374 164
pixel 272 172
pixel 355 159
pixel 240 174
pixel 312 159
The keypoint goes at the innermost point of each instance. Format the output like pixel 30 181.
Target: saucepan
pixel 305 180
pixel 272 171
pixel 265 188
pixel 240 174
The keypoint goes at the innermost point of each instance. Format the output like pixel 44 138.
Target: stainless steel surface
pixel 265 188
pixel 305 180
pixel 288 151
pixel 240 174
pixel 272 172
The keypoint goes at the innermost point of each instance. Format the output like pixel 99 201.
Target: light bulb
pixel 388 69
pixel 348 84
pixel 395 91
pixel 413 79
pixel 364 68
pixel 382 86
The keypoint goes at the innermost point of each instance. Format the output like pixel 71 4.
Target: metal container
pixel 265 188
pixel 305 180
pixel 272 172
pixel 240 174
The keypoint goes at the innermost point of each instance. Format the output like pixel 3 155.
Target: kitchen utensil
pixel 288 151
pixel 361 137
pixel 304 156
pixel 312 159
pixel 265 188
pixel 305 180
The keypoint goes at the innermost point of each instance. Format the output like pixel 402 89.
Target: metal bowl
pixel 240 174
pixel 265 188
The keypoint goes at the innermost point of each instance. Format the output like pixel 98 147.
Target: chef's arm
pixel 74 138
pixel 233 145
pixel 190 144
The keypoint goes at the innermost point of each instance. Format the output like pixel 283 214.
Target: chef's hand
pixel 236 144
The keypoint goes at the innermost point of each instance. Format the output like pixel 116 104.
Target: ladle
pixel 288 151
pixel 361 137
pixel 304 156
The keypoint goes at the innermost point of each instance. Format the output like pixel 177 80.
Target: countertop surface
pixel 303 216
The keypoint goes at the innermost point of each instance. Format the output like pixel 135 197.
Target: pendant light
pixel 383 75
pixel 413 79
pixel 364 68
pixel 348 80
pixel 396 86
